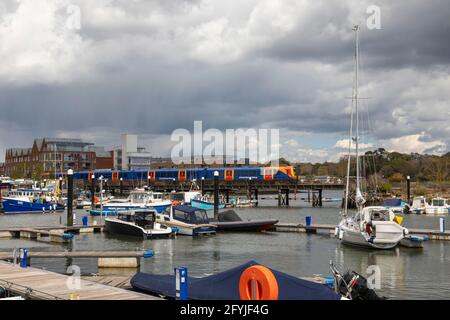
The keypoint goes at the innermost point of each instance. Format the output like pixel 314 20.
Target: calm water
pixel 405 273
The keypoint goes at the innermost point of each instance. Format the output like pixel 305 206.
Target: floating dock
pixel 314 228
pixel 58 234
pixel 40 284
pixel 106 259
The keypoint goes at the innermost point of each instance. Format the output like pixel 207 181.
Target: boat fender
pixel 398 220
pixel 258 283
pixel 341 234
pixel 149 253
pixel 336 231
pixel 67 236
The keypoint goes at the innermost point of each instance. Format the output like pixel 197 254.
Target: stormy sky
pixel 150 67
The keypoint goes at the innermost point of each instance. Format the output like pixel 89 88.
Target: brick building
pixel 52 155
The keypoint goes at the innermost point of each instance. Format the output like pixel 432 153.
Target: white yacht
pixel 438 207
pixel 372 227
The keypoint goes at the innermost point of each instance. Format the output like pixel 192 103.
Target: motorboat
pixel 419 205
pixel 397 205
pixel 184 197
pixel 370 227
pixel 139 199
pixel 30 201
pixel 438 207
pixel 229 220
pixel 190 221
pixel 243 203
pixel 137 223
pixel 205 203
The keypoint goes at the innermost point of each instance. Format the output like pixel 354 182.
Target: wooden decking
pixel 45 285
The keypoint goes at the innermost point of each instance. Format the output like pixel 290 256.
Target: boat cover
pixel 228 216
pixel 394 202
pixel 225 286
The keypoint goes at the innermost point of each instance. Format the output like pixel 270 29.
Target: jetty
pixel 58 234
pixel 106 259
pixel 37 284
pixel 315 228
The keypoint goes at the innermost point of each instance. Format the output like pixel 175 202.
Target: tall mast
pixel 356 28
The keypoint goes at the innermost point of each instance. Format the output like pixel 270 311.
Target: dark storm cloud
pixel 151 77
pixel 413 34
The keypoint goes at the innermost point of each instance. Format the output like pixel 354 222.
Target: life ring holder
pixel 258 283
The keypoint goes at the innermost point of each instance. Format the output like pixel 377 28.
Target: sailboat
pixel 371 227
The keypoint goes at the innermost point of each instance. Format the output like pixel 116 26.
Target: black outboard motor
pixel 357 285
pixel 353 286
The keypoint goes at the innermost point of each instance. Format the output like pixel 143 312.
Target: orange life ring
pixel 176 203
pixel 258 283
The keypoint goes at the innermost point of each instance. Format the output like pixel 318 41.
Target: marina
pixel 291 252
pixel 211 158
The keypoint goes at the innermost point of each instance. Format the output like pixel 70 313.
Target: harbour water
pixel 405 273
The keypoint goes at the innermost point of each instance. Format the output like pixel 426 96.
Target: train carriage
pixel 191 174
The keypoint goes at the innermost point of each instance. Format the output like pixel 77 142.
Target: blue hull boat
pixel 225 286
pixel 205 205
pixel 11 206
pixel 102 213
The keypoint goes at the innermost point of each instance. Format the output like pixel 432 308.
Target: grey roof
pixel 68 141
pixel 100 152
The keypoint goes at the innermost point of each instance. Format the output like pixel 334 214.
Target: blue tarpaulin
pixel 225 286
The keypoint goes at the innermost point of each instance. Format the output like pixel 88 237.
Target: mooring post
pixel 320 197
pixel 287 197
pixel 181 285
pixel 256 196
pixel 408 189
pixel 216 195
pixel 69 197
pixel 93 192
pixel 279 197
pixel 60 190
pixel 309 195
pixel 202 185
pixel 121 186
pixel 227 195
pixel 23 257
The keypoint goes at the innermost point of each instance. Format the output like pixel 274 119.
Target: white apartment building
pixel 129 156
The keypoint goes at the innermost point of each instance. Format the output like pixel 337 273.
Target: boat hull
pixel 128 229
pixel 246 226
pixel 12 206
pixel 205 205
pixel 188 229
pixel 352 237
pixel 128 207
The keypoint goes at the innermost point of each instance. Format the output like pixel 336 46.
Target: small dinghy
pixel 226 286
pixel 230 221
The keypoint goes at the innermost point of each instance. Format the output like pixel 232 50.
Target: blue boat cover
pixel 394 202
pixel 225 286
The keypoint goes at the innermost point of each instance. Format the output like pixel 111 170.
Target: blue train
pixel 190 174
